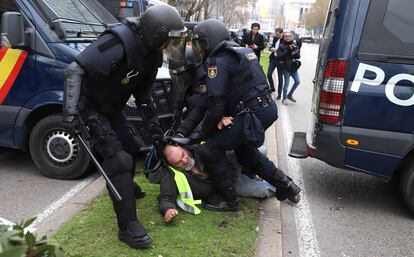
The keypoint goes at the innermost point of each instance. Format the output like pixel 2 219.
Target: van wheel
pixel 55 151
pixel 407 186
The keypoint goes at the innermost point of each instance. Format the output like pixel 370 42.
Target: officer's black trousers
pixel 115 143
pixel 232 138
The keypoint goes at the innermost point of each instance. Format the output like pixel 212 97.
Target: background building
pixel 293 11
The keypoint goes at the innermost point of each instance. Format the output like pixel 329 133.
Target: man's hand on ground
pixel 170 214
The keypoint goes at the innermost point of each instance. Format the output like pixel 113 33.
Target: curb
pixel 269 238
pixel 72 208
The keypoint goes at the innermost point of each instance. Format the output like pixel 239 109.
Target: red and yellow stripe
pixel 11 61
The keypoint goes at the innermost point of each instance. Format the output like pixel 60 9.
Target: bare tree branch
pixel 315 18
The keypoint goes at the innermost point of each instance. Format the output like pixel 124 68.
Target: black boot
pixel 228 192
pixel 135 235
pixel 285 187
pixel 221 174
pixel 222 206
pixel 139 193
pixel 131 231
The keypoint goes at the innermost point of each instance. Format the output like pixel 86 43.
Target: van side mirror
pixel 12 30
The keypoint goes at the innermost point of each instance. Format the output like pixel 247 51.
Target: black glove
pixel 157 136
pixel 71 123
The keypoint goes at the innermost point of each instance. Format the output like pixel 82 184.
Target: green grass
pixel 264 60
pixel 94 231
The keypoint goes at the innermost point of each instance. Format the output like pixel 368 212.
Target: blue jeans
pixel 286 76
pixel 247 185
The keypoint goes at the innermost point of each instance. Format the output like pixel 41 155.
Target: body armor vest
pixel 115 67
pixel 247 79
pixel 249 74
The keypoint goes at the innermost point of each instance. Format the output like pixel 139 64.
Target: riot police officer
pixel 236 85
pixel 124 60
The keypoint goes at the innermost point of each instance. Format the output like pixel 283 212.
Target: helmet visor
pixel 198 51
pixel 175 50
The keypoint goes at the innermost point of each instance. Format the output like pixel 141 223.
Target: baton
pixel 100 169
pixel 84 131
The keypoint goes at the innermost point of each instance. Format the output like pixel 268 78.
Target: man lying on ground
pixel 186 161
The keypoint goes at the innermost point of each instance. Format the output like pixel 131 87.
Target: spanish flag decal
pixel 11 61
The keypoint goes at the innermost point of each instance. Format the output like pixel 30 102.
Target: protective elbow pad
pixel 72 89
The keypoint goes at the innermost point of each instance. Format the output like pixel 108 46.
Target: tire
pixel 55 151
pixel 407 186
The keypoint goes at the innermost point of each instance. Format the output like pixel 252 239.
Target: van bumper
pixel 321 141
pixel 326 144
pixel 378 155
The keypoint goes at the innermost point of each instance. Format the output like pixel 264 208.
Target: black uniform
pixel 236 87
pixel 125 67
pixel 122 62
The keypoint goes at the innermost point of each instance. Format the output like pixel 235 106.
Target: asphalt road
pixel 342 213
pixel 25 192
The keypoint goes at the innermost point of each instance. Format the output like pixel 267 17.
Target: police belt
pixel 262 100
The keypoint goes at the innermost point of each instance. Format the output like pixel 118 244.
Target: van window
pixel 76 10
pixel 77 19
pixel 387 35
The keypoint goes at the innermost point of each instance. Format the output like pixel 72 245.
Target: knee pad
pixel 120 163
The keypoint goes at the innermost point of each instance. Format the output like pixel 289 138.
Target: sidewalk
pixel 269 237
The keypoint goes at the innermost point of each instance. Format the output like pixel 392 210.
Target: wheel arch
pixel 35 116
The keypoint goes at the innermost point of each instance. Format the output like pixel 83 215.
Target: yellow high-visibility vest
pixel 185 198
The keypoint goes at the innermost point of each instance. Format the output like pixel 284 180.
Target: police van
pixel 121 9
pixel 363 102
pixel 39 39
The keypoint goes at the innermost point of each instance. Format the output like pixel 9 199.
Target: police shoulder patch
pixel 212 72
pixel 251 56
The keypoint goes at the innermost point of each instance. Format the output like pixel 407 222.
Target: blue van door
pixel 380 98
pixel 12 76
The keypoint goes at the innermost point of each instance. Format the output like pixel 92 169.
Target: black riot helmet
pixel 206 36
pixel 162 27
